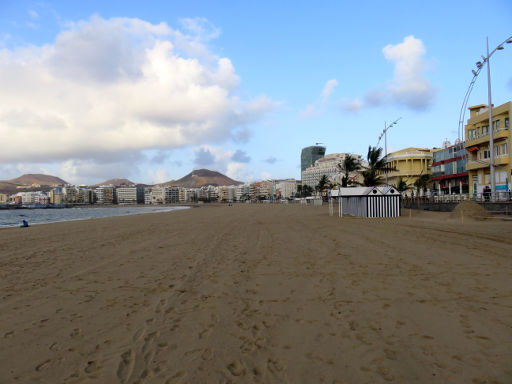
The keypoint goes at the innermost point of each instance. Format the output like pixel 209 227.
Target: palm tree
pixel 376 164
pixel 322 183
pixel 423 182
pixel 349 164
pixel 402 186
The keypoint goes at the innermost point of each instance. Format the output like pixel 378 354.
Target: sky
pixel 151 90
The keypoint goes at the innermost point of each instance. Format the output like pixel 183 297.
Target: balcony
pixel 478 164
pixel 484 138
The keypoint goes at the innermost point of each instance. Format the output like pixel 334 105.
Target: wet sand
pixel 257 294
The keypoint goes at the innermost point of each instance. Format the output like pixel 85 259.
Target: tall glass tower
pixel 309 155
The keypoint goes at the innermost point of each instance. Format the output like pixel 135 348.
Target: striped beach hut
pixel 368 201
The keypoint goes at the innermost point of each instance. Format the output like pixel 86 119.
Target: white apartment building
pixel 130 195
pixel 33 197
pixel 329 166
pixel 286 188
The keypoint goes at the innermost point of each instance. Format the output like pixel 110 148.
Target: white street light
pixel 384 133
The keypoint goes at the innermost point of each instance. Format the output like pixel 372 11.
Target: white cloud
pixel 351 106
pixel 158 176
pixel 91 171
pixel 33 14
pixel 106 88
pixel 409 87
pixel 316 109
pixel 328 89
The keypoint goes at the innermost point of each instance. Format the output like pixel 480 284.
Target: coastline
pixel 256 293
pixel 77 213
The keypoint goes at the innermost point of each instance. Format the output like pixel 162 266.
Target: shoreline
pixel 149 209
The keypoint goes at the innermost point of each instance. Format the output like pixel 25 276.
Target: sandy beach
pixel 257 294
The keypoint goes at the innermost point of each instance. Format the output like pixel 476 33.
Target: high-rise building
pixel 309 155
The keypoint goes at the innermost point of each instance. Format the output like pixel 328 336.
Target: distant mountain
pixel 116 183
pixel 37 178
pixel 26 182
pixel 202 178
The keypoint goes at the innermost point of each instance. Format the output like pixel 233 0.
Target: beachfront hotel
pixel 309 155
pixel 409 164
pixel 328 166
pixel 477 145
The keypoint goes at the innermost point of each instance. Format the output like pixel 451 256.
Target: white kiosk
pixel 368 201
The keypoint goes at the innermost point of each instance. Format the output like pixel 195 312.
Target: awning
pixel 473 148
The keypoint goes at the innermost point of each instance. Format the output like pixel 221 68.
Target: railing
pixel 501 196
pixel 481 135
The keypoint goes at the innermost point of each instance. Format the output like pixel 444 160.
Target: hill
pixel 116 183
pixel 37 178
pixel 201 178
pixel 30 182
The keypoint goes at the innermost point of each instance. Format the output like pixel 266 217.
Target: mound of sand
pixel 470 209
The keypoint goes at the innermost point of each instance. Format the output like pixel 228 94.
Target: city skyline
pixel 94 91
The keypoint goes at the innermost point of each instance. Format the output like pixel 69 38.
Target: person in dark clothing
pixel 487 193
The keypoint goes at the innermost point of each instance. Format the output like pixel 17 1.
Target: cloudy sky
pixel 152 90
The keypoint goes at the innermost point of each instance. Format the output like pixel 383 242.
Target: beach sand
pixel 257 294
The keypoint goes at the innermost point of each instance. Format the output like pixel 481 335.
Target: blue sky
pixel 151 90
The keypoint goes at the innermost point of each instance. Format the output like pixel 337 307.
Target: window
pixel 485 130
pixel 471 134
pixel 507 122
pixel 504 148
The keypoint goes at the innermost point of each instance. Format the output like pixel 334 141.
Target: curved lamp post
pixel 384 133
pixel 479 66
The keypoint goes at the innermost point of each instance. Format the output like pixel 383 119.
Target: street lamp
pixel 384 133
pixel 479 66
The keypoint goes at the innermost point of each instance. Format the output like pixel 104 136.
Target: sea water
pixel 15 217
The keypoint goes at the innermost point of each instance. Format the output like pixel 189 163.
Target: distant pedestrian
pixel 25 224
pixel 487 193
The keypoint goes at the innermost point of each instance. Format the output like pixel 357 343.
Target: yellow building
pixel 4 198
pixel 477 145
pixel 409 164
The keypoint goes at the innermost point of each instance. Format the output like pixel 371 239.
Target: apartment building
pixel 57 196
pixel 449 173
pixel 105 194
pixel 477 134
pixel 130 195
pixel 172 195
pixel 285 189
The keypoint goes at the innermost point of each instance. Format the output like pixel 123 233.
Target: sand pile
pixel 470 209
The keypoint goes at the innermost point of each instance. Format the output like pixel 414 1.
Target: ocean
pixel 14 217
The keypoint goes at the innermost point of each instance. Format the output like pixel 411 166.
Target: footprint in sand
pixel 91 367
pixel 43 365
pixel 236 368
pixel 125 368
